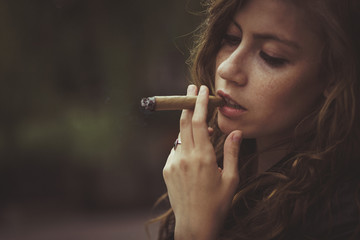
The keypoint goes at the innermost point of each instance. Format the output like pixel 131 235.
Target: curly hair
pixel 274 204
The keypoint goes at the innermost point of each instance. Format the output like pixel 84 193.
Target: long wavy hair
pixel 274 204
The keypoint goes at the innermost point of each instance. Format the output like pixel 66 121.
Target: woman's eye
pixel 273 61
pixel 231 40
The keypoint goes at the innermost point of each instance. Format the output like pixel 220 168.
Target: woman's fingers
pixel 200 129
pixel 210 131
pixel 193 127
pixel 231 153
pixel 186 133
pixel 189 177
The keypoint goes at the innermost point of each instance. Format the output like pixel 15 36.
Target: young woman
pixel 281 159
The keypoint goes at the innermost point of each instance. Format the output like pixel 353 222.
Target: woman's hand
pixel 200 193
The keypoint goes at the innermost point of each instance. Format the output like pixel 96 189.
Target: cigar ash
pixel 148 103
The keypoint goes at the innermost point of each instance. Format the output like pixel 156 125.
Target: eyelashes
pixel 272 61
pixel 234 41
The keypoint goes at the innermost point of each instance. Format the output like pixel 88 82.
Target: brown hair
pixel 275 204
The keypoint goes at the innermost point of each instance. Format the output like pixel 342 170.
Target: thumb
pixel 231 153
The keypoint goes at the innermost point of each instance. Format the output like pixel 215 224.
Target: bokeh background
pixel 79 159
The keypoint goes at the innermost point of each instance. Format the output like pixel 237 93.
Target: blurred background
pixel 79 159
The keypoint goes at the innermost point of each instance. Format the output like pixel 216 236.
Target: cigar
pixel 159 103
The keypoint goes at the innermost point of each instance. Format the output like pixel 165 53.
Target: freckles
pixel 275 96
pixel 266 89
pixel 284 85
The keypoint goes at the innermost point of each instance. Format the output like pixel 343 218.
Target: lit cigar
pixel 159 103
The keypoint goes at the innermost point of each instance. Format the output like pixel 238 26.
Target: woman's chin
pixel 227 128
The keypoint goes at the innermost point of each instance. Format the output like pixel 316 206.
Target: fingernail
pixel 202 89
pixel 236 137
pixel 191 88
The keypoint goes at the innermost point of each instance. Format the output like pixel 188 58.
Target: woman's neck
pixel 269 155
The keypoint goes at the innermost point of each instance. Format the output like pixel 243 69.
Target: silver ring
pixel 177 142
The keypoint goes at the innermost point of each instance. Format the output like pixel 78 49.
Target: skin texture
pixel 276 97
pixel 277 93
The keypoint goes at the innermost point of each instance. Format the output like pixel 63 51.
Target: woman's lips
pixel 230 109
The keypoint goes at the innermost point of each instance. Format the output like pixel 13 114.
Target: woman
pixel 281 159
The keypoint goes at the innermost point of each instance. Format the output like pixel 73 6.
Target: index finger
pixel 200 128
pixel 186 133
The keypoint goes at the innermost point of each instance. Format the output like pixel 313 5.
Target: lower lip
pixel 231 112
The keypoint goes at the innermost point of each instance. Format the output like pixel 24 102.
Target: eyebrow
pixel 267 36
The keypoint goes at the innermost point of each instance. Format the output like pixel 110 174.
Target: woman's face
pixel 267 69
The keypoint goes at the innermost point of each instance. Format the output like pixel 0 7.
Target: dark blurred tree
pixel 73 72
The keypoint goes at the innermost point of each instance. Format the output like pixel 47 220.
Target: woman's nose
pixel 232 67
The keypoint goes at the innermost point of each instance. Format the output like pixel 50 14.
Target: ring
pixel 177 142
